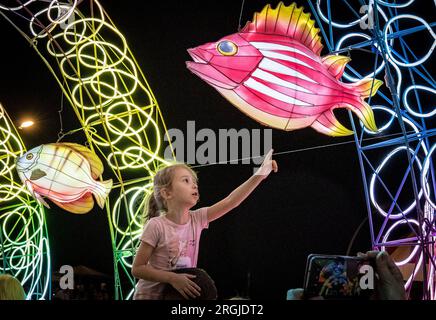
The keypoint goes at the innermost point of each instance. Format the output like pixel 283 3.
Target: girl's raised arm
pixel 238 195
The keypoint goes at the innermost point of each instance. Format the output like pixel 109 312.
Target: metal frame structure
pixel 24 246
pixel 396 162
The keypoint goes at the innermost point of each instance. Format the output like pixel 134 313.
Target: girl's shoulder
pixel 199 216
pixel 154 221
pixel 198 211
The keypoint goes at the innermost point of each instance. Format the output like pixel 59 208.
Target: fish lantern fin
pixel 102 191
pixel 37 174
pixel 289 21
pixel 41 200
pixel 365 114
pixel 327 124
pixel 94 161
pixel 335 64
pixel 80 206
pixel 365 87
pixel 35 195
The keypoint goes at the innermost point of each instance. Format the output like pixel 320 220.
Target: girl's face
pixel 184 189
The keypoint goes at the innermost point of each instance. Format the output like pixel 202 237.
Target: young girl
pixel 171 240
pixel 11 288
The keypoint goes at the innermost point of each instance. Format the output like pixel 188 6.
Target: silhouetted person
pixel 389 282
pixel 202 279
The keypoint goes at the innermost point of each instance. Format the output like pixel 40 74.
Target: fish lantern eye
pixel 29 156
pixel 227 48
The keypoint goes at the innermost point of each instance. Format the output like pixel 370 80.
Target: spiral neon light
pixel 426 56
pixel 343 25
pixel 114 105
pixel 24 248
pixel 365 36
pixel 424 175
pixel 430 216
pixel 395 5
pixel 132 197
pixel 408 76
pixel 372 184
pixel 407 106
pixel 392 228
pixel 103 89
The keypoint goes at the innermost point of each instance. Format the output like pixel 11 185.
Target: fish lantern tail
pixel 102 191
pixel 364 88
pixel 327 123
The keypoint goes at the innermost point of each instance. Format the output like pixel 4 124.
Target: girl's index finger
pixel 275 166
pixel 268 156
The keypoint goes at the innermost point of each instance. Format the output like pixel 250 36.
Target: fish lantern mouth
pixel 28 160
pixel 198 56
pixel 202 67
pixel 23 166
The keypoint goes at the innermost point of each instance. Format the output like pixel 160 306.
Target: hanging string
pixel 132 181
pixel 61 133
pixel 300 150
pixel 275 153
pixel 240 15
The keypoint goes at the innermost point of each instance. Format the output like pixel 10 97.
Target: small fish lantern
pixel 65 173
pixel 273 72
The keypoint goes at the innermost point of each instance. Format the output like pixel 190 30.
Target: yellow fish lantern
pixel 66 174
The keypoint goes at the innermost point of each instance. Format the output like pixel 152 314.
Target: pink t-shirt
pixel 175 247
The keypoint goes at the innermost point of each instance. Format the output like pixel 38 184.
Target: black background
pixel 312 205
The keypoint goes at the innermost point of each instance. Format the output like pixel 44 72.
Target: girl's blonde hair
pixel 11 288
pixel 155 203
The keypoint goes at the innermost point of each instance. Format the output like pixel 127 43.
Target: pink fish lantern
pixel 66 174
pixel 272 71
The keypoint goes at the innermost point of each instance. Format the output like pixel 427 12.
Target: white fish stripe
pixel 270 65
pixel 275 55
pixel 55 171
pixel 275 46
pixel 276 80
pixel 64 159
pixel 57 161
pixel 89 187
pixel 61 160
pixel 76 177
pixel 253 84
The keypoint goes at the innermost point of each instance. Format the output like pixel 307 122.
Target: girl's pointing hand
pixel 268 165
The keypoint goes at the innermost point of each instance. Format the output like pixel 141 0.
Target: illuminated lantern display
pixel 24 244
pixel 115 108
pixel 65 173
pixel 272 71
pixel 398 162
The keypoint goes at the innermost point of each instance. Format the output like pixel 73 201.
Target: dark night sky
pixel 312 205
